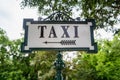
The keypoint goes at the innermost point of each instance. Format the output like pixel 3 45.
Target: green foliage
pixel 15 65
pixel 8 70
pixel 105 12
pixel 49 6
pixel 101 66
pixel 43 64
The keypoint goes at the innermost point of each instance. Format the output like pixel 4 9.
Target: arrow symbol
pixel 63 42
pixel 46 42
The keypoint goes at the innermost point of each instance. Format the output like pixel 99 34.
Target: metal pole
pixel 59 66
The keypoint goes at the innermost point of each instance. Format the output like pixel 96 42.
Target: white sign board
pixel 59 35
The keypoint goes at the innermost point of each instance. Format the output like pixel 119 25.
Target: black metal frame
pixel 56 18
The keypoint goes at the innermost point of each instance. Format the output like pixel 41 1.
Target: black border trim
pixel 59 22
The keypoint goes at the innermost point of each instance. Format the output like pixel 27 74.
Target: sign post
pixel 59 32
pixel 59 66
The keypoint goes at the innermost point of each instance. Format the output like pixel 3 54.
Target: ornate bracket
pixel 59 16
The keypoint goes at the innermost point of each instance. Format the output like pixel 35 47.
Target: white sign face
pixel 48 35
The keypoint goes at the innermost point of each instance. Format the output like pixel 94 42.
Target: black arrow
pixel 46 42
pixel 63 42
